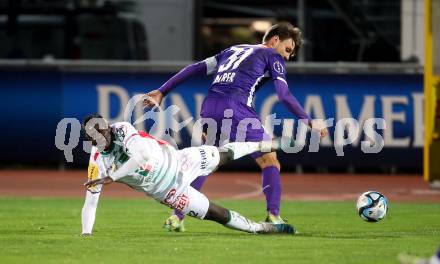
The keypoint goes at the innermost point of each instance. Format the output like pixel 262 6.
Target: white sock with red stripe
pixel 239 222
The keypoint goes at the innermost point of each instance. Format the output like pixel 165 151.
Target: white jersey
pixel 166 175
pixel 154 177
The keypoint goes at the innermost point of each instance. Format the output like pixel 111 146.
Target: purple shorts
pixel 246 125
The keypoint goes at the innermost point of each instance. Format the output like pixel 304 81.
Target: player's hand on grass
pixel 104 181
pixel 319 125
pixel 153 98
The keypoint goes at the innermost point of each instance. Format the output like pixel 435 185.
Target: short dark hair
pixel 285 30
pixel 86 120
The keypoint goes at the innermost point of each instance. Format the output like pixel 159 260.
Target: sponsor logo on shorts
pixel 169 198
pixel 181 202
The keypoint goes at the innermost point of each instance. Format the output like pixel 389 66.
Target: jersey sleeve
pixel 277 67
pixel 189 71
pixel 211 65
pixel 88 211
pixel 93 171
pixel 138 147
pixel 207 66
pixel 290 101
pixel 213 62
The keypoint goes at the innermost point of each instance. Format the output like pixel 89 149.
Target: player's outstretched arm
pixel 290 101
pixel 129 167
pixel 102 181
pixel 140 154
pixel 295 107
pixel 155 97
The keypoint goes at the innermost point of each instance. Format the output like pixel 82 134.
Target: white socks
pixel 240 149
pixel 239 222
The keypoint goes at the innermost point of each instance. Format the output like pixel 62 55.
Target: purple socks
pixel 196 184
pixel 272 189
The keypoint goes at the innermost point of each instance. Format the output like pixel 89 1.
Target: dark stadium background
pixel 67 48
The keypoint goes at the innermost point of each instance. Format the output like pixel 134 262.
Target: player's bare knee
pixel 268 160
pixel 217 213
pixel 276 163
pixel 225 157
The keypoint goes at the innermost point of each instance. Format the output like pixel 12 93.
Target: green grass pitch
pixel 46 230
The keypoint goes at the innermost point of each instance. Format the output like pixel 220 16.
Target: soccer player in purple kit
pixel 239 72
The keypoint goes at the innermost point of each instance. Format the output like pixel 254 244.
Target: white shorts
pixel 193 162
pixel 197 161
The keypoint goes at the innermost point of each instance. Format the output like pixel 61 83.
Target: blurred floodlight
pixel 261 25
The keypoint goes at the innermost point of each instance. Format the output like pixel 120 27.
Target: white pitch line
pixel 321 197
pixel 425 192
pixel 255 193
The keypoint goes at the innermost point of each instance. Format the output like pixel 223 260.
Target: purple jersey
pixel 239 73
pixel 241 70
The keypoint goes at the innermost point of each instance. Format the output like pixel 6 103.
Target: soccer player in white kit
pixel 122 154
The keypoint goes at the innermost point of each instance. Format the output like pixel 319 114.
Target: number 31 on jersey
pixel 232 63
